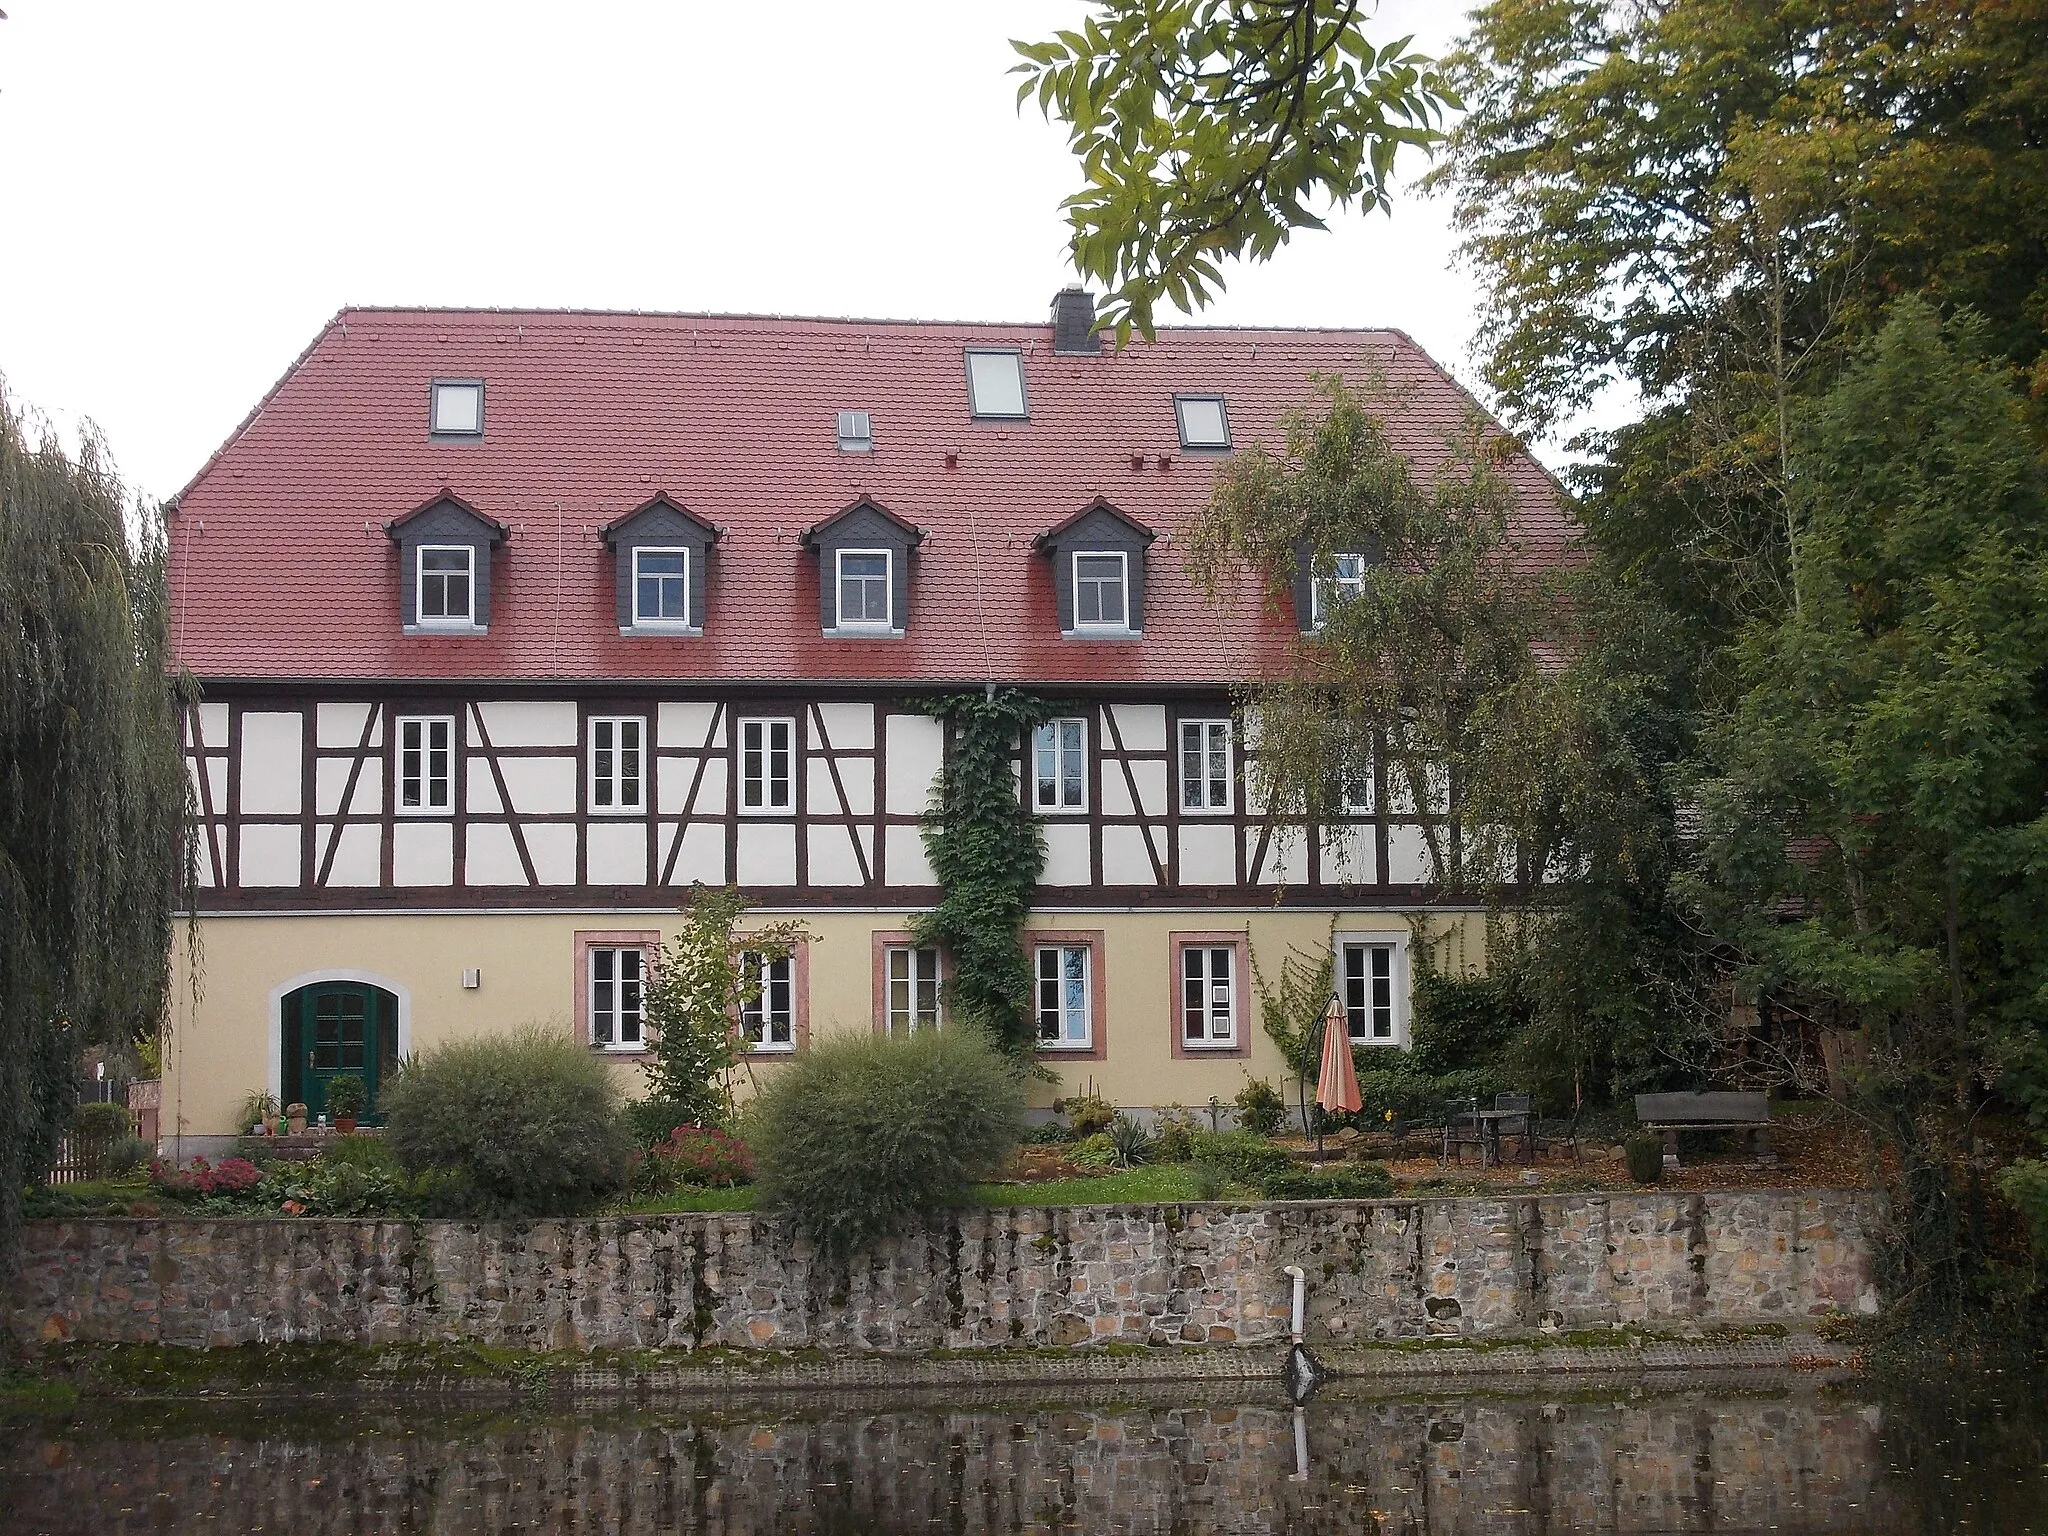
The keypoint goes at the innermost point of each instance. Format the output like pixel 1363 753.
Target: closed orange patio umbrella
pixel 1337 1087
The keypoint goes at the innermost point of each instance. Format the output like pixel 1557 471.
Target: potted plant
pixel 345 1097
pixel 258 1115
pixel 295 1119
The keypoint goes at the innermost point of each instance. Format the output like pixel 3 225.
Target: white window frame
pixel 882 626
pixel 420 616
pixel 1101 626
pixel 608 790
pixel 974 410
pixel 612 1019
pixel 1063 1010
pixel 1359 1005
pixel 654 620
pixel 920 967
pixel 1212 1003
pixel 766 778
pixel 1328 591
pixel 1362 779
pixel 426 775
pixel 434 426
pixel 1180 421
pixel 1209 728
pixel 1053 732
pixel 759 1018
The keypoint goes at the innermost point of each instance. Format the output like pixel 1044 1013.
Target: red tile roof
pixel 281 568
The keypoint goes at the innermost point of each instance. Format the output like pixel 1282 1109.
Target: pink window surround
pixel 646 939
pixel 799 998
pixel 1098 1026
pixel 879 969
pixel 1240 1046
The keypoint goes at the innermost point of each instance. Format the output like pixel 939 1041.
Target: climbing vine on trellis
pixel 986 849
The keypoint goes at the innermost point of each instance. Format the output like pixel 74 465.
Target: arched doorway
pixel 334 1027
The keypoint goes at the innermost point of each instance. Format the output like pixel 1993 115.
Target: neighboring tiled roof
pixel 281 569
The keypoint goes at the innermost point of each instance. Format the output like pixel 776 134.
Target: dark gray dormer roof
pixel 659 521
pixel 442 513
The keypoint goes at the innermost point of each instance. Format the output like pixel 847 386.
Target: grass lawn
pixel 738 1199
pixel 1154 1182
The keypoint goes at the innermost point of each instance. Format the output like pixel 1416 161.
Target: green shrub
pixel 1129 1138
pixel 1419 1098
pixel 356 1176
pixel 1645 1157
pixel 1207 1181
pixel 1464 1022
pixel 1089 1113
pixel 1050 1134
pixel 697 1157
pixel 1246 1159
pixel 654 1121
pixel 2025 1184
pixel 104 1122
pixel 1343 1181
pixel 126 1156
pixel 1260 1109
pixel 1173 1135
pixel 346 1096
pixel 372 1154
pixel 528 1123
pixel 1096 1151
pixel 858 1135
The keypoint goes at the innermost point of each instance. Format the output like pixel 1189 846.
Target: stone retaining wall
pixel 1159 1275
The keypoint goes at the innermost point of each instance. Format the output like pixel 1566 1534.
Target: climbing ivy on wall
pixel 985 848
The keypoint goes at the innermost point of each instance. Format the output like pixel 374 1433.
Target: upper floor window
pixel 1205 765
pixel 617 975
pixel 1065 1020
pixel 1060 765
pixel 767 766
pixel 447 584
pixel 864 588
pixel 1208 1008
pixel 768 1017
pixel 1345 581
pixel 661 586
pixel 426 764
pixel 618 764
pixel 457 408
pixel 1368 973
pixel 912 988
pixel 995 383
pixel 1203 421
pixel 1101 592
pixel 1354 796
pixel 856 432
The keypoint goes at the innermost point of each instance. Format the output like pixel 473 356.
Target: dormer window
pixel 864 557
pixel 856 432
pixel 661 551
pixel 995 384
pixel 661 587
pixel 1098 564
pixel 446 586
pixel 1345 581
pixel 1204 424
pixel 456 408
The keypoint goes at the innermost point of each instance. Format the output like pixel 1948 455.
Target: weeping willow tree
pixel 93 854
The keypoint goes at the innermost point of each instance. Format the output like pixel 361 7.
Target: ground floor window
pixel 912 982
pixel 617 974
pixel 1369 976
pixel 1208 1011
pixel 768 1018
pixel 1065 996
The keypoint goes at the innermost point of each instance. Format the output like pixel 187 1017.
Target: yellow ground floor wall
pixel 221 1042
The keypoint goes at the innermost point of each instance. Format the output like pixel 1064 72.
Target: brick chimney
pixel 1073 312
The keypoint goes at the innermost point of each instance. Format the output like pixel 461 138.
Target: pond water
pixel 1734 1454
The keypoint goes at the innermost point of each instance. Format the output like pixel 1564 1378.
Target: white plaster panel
pixel 341 725
pixel 355 859
pixel 1350 855
pixel 202 860
pixel 423 853
pixel 767 853
pixel 1143 726
pixel 1408 856
pixel 616 853
pixel 684 725
pixel 270 855
pixel 1115 798
pixel 540 786
pixel 491 857
pixel 216 783
pixel 552 847
pixel 916 750
pixel 530 723
pixel 1151 779
pixel 832 857
pixel 672 776
pixel 703 855
pixel 1401 798
pixel 483 790
pixel 1208 855
pixel 851 726
pixel 1124 859
pixel 273 755
pixel 821 798
pixel 904 856
pixel 213 725
pixel 857 774
pixel 1066 853
pixel 330 783
pixel 1286 855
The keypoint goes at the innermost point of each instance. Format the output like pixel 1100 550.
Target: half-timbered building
pixel 509 626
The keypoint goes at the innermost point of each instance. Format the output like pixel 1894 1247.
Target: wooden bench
pixel 1671 1113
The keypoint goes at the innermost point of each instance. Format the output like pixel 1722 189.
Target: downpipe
pixel 1303 1373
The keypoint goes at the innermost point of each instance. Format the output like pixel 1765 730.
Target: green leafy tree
pixel 1208 129
pixel 1874 833
pixel 694 997
pixel 93 852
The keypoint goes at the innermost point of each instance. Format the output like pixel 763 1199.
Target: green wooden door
pixel 331 1028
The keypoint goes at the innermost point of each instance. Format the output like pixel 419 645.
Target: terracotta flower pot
pixel 346 1124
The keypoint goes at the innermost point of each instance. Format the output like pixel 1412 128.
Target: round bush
pixel 858 1135
pixel 1260 1109
pixel 525 1124
pixel 1645 1157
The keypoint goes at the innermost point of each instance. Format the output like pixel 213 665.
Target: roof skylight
pixel 1203 422
pixel 457 408
pixel 856 432
pixel 995 383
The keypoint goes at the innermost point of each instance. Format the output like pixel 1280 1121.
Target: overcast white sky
pixel 194 188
